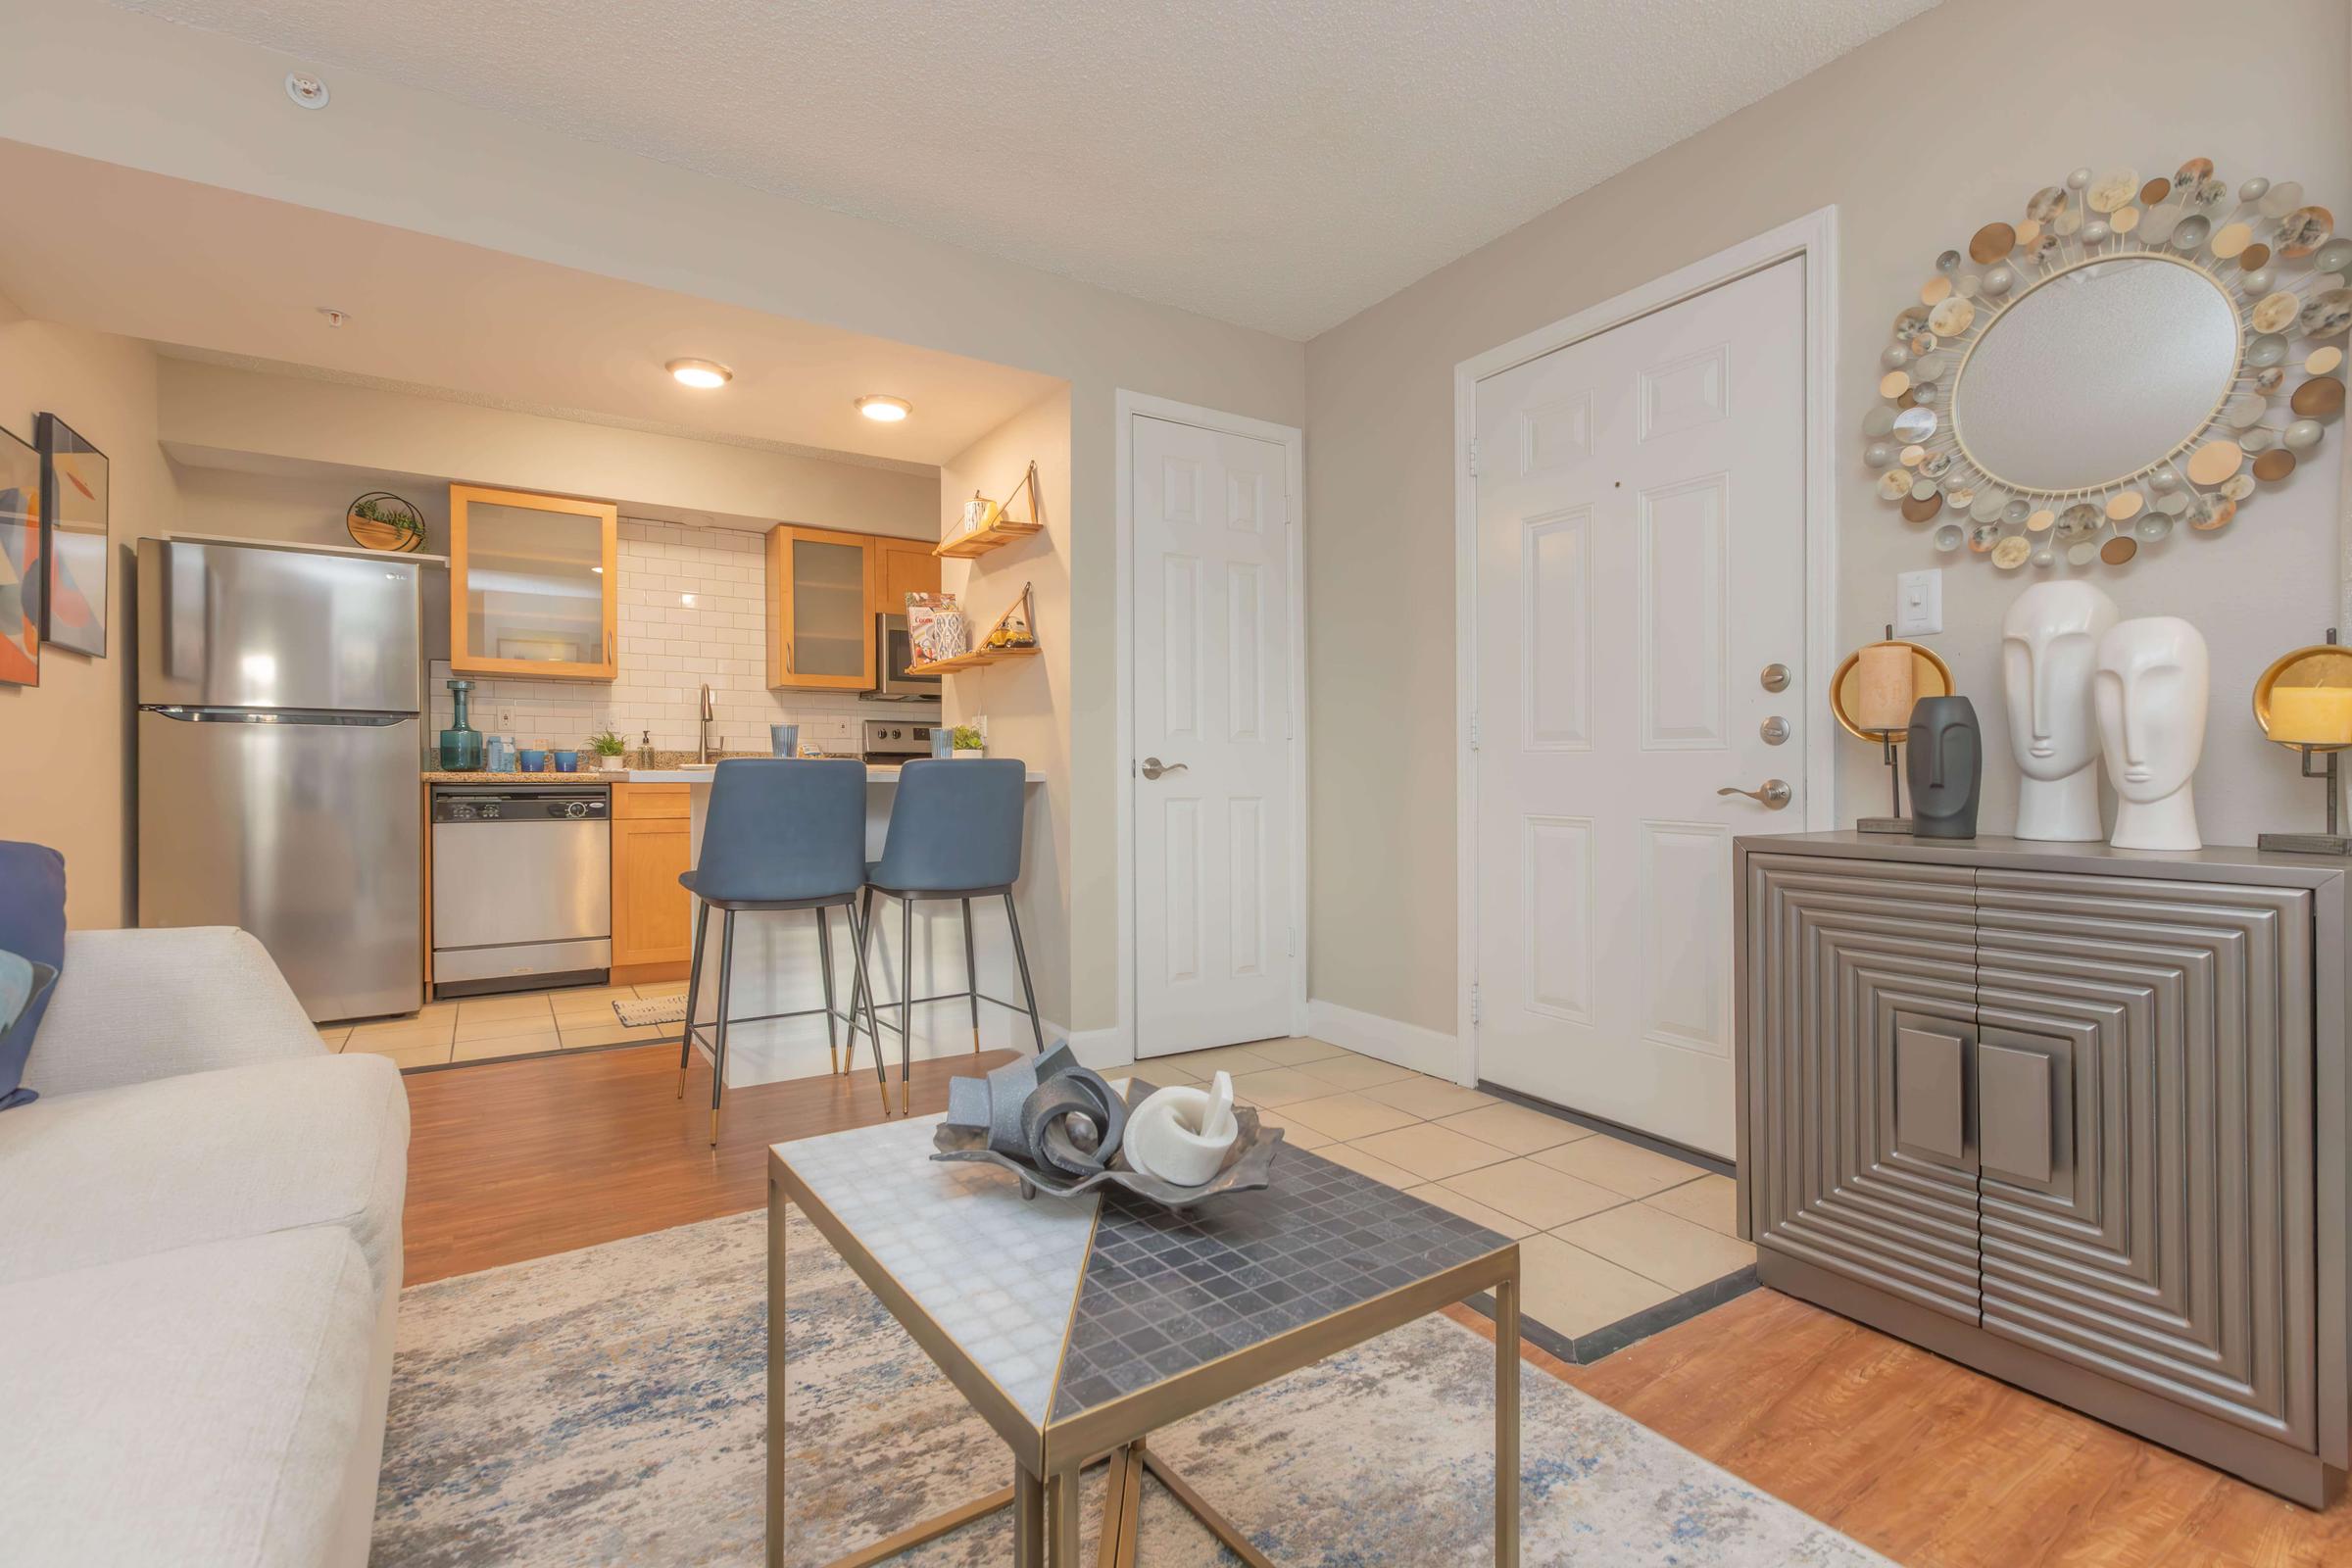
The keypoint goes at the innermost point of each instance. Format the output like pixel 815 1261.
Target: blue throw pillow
pixel 32 928
pixel 24 993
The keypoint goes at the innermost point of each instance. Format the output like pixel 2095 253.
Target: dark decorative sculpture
pixel 1046 1111
pixel 1947 766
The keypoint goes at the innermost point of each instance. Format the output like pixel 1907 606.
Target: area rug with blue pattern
pixel 609 1406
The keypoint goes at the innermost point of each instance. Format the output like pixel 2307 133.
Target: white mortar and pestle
pixel 1182 1135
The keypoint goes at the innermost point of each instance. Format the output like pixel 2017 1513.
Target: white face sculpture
pixel 2150 691
pixel 2049 647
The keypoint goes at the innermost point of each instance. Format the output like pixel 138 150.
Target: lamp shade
pixel 1886 687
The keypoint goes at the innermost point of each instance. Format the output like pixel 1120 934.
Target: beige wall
pixel 1027 701
pixel 1918 137
pixel 64 780
pixel 128 89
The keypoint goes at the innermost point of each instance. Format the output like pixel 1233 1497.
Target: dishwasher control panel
pixel 521 805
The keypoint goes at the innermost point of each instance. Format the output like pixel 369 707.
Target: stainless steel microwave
pixel 893 654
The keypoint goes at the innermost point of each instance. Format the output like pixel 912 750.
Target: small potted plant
pixel 970 744
pixel 608 748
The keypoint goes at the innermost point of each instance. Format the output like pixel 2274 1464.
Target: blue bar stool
pixel 954 833
pixel 780 835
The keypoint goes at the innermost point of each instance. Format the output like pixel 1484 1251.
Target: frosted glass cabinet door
pixel 533 584
pixel 822 590
pixel 1862 986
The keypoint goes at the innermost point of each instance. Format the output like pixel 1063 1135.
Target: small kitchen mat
pixel 638 1014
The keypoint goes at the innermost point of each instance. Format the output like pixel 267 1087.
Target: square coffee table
pixel 1077 1326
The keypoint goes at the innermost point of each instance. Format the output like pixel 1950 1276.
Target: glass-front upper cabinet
pixel 821 626
pixel 532 584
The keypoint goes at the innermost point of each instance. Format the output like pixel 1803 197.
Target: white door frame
pixel 1814 238
pixel 1126 406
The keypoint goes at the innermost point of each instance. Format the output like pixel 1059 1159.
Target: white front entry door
pixel 1640 561
pixel 1216 958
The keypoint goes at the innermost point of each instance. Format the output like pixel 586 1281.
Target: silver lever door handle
pixel 1152 767
pixel 1772 795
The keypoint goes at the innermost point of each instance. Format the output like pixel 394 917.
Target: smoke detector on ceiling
pixel 306 91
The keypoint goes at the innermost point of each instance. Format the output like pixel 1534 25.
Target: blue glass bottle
pixel 460 743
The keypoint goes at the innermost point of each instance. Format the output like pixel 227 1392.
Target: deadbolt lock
pixel 1775 679
pixel 1775 730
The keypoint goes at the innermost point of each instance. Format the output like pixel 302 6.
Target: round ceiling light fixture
pixel 885 411
pixel 704 373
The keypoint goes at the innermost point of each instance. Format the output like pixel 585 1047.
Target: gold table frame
pixel 1047 1461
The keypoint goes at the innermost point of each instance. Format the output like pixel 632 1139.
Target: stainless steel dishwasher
pixel 522 888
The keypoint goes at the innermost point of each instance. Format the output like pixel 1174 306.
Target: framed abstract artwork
pixel 21 575
pixel 75 497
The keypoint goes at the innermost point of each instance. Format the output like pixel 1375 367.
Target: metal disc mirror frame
pixel 2121 358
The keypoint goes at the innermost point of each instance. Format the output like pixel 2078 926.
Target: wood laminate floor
pixel 1924 1460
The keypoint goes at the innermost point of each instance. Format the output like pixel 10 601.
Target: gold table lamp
pixel 2304 702
pixel 1872 696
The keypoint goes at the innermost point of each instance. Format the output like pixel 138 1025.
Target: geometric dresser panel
pixel 2079 1116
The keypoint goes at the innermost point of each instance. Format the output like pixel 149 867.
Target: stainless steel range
pixel 890 740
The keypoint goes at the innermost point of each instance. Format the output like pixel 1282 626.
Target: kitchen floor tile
pixel 1537 1194
pixel 507 1046
pixel 1516 1128
pixel 1234 1059
pixel 502 1006
pixel 1278 1086
pixel 577 1035
pixel 1620 1167
pixel 333 1036
pixel 1372 1165
pixel 1428 1097
pixel 1292 1051
pixel 655 989
pixel 1573 1292
pixel 520 1023
pixel 1347 1116
pixel 1430 1152
pixel 1158 1073
pixel 1711 1201
pixel 1470 1208
pixel 400 1032
pixel 427 1054
pixel 1357 1072
pixel 1660 1247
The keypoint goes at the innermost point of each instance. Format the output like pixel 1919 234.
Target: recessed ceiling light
pixel 885 411
pixel 701 372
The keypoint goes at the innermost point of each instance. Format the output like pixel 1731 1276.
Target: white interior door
pixel 1640 561
pixel 1216 958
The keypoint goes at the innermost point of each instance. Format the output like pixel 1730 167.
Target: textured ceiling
pixel 1279 164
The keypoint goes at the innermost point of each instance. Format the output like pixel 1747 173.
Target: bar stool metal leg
pixel 825 960
pixel 718 1046
pixel 862 984
pixel 971 975
pixel 1021 955
pixel 905 1005
pixel 694 980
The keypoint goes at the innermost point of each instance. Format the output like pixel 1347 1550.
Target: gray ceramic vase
pixel 1945 767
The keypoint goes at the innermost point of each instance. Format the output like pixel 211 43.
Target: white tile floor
pixel 521 1023
pixel 1606 1228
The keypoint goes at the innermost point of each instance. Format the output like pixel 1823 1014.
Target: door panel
pixel 2163 1250
pixel 224 625
pixel 1861 986
pixel 1216 959
pixel 1641 503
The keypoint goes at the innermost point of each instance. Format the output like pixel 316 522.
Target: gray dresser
pixel 2073 1116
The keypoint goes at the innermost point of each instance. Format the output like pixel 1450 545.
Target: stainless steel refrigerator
pixel 281 729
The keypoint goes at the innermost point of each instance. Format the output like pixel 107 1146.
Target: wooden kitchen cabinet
pixel 906 566
pixel 533 585
pixel 652 933
pixel 821 589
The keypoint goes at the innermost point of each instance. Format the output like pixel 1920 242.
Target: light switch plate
pixel 1918 602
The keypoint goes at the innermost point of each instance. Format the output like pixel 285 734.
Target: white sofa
pixel 199 1267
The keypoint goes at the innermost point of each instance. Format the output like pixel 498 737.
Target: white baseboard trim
pixel 1405 1045
pixel 1098 1049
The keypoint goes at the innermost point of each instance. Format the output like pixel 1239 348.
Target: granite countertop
pixel 670 767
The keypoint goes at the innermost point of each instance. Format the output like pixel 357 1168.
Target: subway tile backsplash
pixel 690 611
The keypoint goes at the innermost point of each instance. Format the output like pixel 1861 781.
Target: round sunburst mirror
pixel 2120 360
